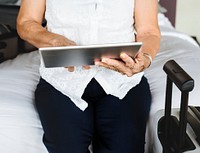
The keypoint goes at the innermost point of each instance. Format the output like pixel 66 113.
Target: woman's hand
pixel 59 40
pixel 128 65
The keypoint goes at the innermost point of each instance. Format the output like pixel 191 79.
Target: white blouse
pixel 90 22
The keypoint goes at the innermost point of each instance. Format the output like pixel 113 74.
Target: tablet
pixel 85 55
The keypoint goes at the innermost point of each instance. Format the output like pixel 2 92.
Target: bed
pixel 20 127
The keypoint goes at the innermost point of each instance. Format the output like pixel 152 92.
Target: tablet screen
pixel 85 55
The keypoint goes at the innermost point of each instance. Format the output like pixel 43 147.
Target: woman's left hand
pixel 128 66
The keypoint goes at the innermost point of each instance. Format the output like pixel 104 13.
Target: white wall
pixel 188 17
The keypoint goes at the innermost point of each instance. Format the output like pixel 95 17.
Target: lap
pixel 113 119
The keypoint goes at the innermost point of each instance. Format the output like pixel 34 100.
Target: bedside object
pixel 8 42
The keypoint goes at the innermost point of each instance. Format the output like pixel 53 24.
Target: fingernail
pixel 104 60
pixel 122 55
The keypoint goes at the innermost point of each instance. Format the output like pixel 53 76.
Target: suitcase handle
pixel 176 75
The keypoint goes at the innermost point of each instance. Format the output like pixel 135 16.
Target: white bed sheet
pixel 20 128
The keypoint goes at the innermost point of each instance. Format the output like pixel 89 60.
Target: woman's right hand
pixel 60 40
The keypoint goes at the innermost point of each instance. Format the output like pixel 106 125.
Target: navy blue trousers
pixel 111 124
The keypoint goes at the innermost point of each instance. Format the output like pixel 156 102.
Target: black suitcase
pixel 174 131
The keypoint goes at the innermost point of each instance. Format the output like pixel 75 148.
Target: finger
pixel 118 66
pixel 71 68
pixel 106 66
pixel 86 67
pixel 112 62
pixel 62 41
pixel 121 69
pixel 135 65
pixel 99 63
pixel 69 42
pixel 129 61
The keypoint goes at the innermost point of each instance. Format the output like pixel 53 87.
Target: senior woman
pixel 106 104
